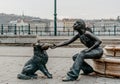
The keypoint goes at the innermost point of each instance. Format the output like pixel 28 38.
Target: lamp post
pixel 55 18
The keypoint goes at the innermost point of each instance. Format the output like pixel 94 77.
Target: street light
pixel 55 18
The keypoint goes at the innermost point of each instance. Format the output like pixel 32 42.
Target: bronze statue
pixel 93 51
pixel 37 62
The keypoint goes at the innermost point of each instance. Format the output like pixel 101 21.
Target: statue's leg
pixel 85 67
pixel 75 56
pixel 28 72
pixel 75 69
pixel 79 62
pixel 94 54
pixel 45 71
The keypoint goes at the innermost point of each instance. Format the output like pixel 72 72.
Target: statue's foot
pixel 90 74
pixel 68 78
pixel 26 77
pixel 49 76
pixel 34 76
pixel 84 73
pixel 23 76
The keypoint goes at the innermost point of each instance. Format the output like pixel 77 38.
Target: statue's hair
pixel 89 29
pixel 81 22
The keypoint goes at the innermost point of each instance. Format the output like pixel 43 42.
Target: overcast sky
pixel 85 9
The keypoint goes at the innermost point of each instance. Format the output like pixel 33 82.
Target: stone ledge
pixel 17 36
pixel 108 66
pixel 18 40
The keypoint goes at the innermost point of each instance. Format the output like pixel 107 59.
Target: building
pixel 60 25
pixel 106 25
pixel 40 25
pixel 68 23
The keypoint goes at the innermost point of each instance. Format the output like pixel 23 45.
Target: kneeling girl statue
pixel 93 51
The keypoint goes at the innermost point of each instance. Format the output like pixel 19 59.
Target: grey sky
pixel 86 9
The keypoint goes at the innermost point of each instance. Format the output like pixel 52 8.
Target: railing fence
pixel 41 31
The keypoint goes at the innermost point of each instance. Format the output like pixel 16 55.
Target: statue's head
pixel 79 24
pixel 37 46
pixel 41 46
pixel 45 46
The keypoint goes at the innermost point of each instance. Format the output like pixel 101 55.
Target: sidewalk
pixel 12 60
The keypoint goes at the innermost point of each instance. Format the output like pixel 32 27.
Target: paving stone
pixel 12 63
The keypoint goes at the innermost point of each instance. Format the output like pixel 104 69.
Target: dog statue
pixel 37 62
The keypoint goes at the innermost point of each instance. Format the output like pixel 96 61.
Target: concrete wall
pixel 18 40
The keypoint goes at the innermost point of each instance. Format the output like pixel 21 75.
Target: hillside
pixel 6 18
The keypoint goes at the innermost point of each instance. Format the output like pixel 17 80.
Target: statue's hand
pixel 53 46
pixel 45 46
